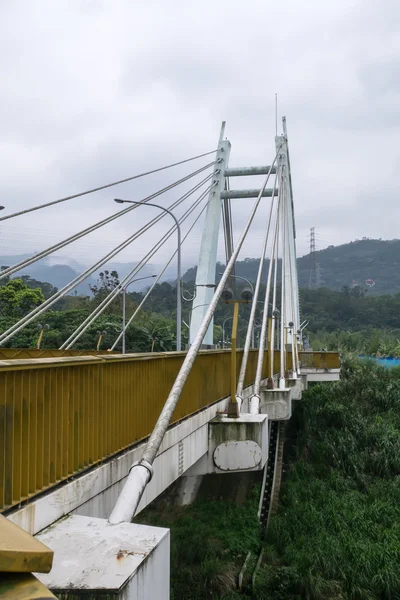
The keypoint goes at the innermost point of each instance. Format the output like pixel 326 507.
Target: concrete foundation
pixel 320 375
pixel 96 560
pixel 233 445
pixel 296 386
pixel 277 403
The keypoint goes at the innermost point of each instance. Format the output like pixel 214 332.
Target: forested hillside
pixel 338 266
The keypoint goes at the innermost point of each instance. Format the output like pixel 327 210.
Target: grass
pixel 337 532
pixel 209 543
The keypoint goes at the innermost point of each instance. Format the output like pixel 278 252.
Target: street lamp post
pixel 252 292
pixel 124 307
pixel 178 282
pixel 223 330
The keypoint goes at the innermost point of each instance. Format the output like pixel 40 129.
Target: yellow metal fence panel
pixel 61 415
pixel 320 360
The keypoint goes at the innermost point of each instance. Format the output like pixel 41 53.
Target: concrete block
pixel 237 444
pixel 93 559
pixel 276 403
pixel 319 375
pixel 296 384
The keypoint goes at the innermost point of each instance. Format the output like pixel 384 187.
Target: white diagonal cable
pixel 74 337
pixel 255 400
pixel 60 293
pixel 272 343
pixel 243 367
pixel 39 255
pixel 157 279
pixel 102 187
pixel 283 292
pixel 140 472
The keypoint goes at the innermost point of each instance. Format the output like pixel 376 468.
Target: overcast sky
pixel 97 90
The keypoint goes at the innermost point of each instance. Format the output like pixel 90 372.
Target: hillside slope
pixel 355 263
pixel 346 265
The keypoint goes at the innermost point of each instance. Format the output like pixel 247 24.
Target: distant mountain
pixel 372 264
pixel 60 275
pixel 57 275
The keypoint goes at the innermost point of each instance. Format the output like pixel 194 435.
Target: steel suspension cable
pixel 243 367
pixel 141 472
pixel 272 342
pixel 63 291
pixel 157 279
pixel 103 187
pixel 283 291
pixel 292 307
pixel 255 400
pixel 74 337
pixel 18 266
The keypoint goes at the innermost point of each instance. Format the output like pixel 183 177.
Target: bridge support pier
pixel 277 403
pixel 95 559
pixel 297 387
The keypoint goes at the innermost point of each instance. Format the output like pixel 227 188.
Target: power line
pixel 103 187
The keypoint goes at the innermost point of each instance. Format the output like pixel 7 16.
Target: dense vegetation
pixel 209 543
pixel 348 320
pixel 337 534
pixel 148 332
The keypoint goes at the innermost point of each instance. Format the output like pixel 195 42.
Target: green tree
pixel 106 284
pixel 17 299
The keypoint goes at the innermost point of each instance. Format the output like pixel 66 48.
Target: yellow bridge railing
pixel 61 415
pixel 319 360
pixel 24 353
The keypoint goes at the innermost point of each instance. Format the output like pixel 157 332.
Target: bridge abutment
pixel 94 559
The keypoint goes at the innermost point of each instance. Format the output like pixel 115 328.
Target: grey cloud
pixel 97 91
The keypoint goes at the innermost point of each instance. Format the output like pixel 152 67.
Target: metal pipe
pixel 135 485
pixel 178 281
pixel 251 193
pixel 233 408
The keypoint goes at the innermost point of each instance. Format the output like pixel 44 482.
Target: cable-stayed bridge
pixel 98 435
